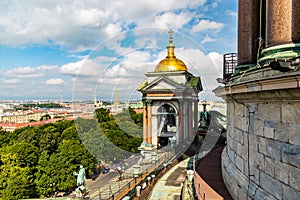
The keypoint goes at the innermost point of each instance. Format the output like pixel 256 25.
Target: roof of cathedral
pixel 170 63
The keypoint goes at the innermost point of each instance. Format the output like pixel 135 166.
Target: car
pixel 105 170
pixel 132 156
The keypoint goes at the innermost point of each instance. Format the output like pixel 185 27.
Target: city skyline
pixel 79 50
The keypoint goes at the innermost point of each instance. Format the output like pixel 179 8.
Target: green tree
pixel 17 171
pixel 70 154
pixel 103 115
pixel 43 175
pixel 28 135
pixel 45 117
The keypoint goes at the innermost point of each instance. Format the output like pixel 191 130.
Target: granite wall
pixel 262 156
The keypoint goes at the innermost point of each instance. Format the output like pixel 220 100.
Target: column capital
pixel 147 102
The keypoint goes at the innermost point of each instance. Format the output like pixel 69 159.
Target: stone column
pixel 145 129
pixel 185 121
pixel 180 123
pixel 278 20
pixel 296 21
pixel 190 121
pixel 154 129
pixel 248 31
pixel 149 140
pixel 195 128
pixel 177 125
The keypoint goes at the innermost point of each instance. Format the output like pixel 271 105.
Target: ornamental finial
pixel 171 36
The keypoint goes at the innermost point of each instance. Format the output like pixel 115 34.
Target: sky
pixel 81 49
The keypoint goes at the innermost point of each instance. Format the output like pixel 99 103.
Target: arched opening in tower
pixel 167 125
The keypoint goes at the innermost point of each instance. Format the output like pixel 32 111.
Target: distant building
pixel 22 116
pixel 14 126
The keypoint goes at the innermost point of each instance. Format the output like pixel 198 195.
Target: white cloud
pixel 11 81
pixel 55 81
pixel 84 67
pixel 30 72
pixel 207 25
pixel 129 73
pixel 215 4
pixel 172 20
pixel 231 13
pixel 79 24
pixel 113 29
pixel 207 39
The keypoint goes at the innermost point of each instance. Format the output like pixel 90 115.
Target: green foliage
pixel 102 115
pixel 45 117
pixel 121 130
pixel 33 158
pixel 42 105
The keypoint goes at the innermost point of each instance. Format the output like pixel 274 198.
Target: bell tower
pixel 170 102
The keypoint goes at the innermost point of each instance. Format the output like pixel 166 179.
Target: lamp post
pixel 138 190
pixel 153 158
pixel 53 189
pixel 149 180
pixel 152 178
pixel 190 176
pixel 172 141
pixel 136 171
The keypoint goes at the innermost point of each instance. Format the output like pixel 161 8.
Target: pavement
pixel 170 184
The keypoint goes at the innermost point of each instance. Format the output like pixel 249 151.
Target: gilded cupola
pixel 170 63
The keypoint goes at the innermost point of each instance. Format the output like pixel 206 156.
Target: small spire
pixel 171 47
pixel 171 36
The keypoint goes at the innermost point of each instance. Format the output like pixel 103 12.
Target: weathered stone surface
pixel 290 113
pixel 253 141
pixel 294 175
pixel 262 145
pixel 269 111
pixel 291 154
pixel 229 140
pixel 281 171
pixel 239 110
pixel 230 110
pixel 294 134
pixel 254 172
pixel 274 141
pixel 258 127
pixel 271 185
pixel 239 162
pixel 239 149
pixel 241 123
pixel 242 194
pixel 239 136
pixel 245 152
pixel 257 160
pixel 274 149
pixel 269 166
pixel 289 193
pixel 281 132
pixel 269 132
pixel 262 194
pixel 231 154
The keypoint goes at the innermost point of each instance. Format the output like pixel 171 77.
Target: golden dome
pixel 170 63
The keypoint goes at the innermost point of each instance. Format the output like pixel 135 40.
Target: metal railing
pixel 118 189
pixel 230 61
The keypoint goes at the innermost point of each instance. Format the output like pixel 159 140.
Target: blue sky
pixel 54 49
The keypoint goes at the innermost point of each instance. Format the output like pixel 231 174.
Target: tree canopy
pixel 36 161
pixel 33 158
